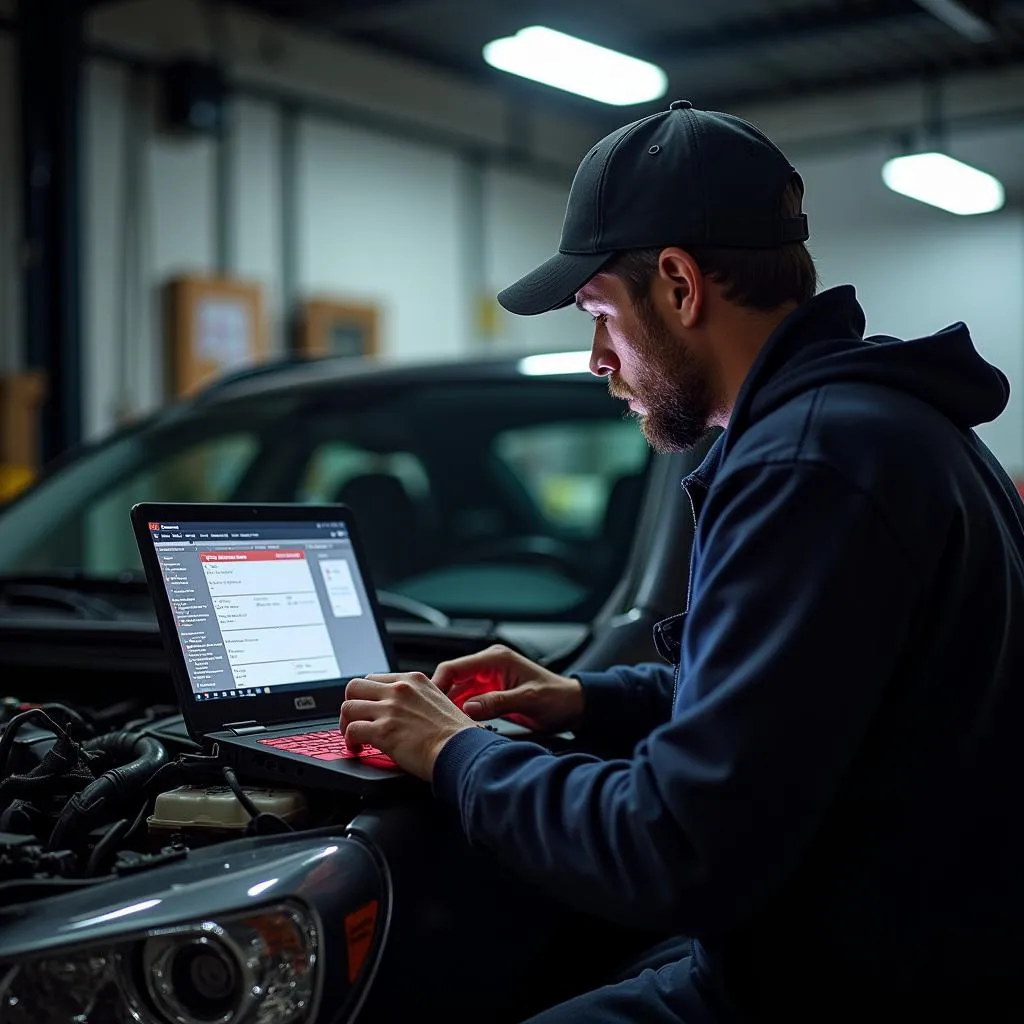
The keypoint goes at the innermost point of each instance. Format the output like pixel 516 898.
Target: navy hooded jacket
pixel 826 790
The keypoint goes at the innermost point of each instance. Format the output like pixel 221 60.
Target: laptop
pixel 266 613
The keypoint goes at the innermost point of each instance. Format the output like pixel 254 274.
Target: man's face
pixel 649 365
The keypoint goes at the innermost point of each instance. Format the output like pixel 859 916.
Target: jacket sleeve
pixel 625 703
pixel 801 605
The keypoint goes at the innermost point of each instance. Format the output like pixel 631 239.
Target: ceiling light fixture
pixel 565 62
pixel 554 363
pixel 939 180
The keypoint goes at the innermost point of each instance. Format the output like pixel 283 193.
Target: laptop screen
pixel 267 607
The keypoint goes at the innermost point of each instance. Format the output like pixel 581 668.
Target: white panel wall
pixel 255 215
pixel 181 183
pixel 109 313
pixel 148 215
pixel 523 222
pixel 384 221
pixel 918 269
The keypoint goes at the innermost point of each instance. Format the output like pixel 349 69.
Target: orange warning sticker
pixel 360 926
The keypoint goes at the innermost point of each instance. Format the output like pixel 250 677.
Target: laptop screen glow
pixel 268 607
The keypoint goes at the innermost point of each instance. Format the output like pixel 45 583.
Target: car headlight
pixel 253 968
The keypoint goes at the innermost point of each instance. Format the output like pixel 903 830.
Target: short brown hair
pixel 761 279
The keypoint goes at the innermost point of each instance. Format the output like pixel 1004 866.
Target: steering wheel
pixel 531 549
pixel 413 609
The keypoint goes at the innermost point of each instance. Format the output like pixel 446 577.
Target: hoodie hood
pixel 822 342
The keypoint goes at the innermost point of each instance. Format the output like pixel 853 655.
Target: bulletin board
pixel 329 327
pixel 214 325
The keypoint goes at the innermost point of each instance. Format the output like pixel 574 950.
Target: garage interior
pixel 250 254
pixel 365 153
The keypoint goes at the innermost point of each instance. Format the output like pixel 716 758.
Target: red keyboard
pixel 329 745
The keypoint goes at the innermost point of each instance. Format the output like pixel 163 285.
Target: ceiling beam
pixel 758 33
pixel 915 72
pixel 319 13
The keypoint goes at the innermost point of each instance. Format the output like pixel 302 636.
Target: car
pixel 503 499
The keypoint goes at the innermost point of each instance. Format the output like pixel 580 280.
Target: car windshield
pixel 489 498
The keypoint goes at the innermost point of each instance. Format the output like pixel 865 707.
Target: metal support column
pixel 291 227
pixel 49 78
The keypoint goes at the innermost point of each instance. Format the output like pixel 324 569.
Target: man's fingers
pixel 366 689
pixel 394 677
pixel 359 733
pixel 492 661
pixel 491 705
pixel 359 711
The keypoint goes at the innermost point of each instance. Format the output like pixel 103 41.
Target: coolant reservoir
pixel 216 809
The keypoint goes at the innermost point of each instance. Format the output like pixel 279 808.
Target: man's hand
pixel 498 683
pixel 405 715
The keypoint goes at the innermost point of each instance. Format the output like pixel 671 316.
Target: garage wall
pixel 386 221
pixel 256 233
pixel 336 203
pixel 395 222
pixel 523 220
pixel 113 338
pixel 918 269
pixel 419 226
pixel 149 213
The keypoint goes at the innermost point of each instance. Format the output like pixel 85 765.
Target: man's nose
pixel 603 361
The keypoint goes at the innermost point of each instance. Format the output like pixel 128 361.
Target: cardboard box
pixel 21 395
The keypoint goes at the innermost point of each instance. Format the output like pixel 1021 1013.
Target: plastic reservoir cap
pixel 216 807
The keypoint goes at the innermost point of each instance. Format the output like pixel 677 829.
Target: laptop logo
pixel 304 703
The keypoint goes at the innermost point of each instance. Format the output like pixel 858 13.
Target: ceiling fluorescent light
pixel 554 363
pixel 960 17
pixel 941 181
pixel 565 62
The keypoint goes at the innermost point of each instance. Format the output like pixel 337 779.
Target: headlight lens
pixel 252 968
pixel 72 988
pixel 198 977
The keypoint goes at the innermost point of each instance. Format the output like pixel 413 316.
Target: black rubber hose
pixel 240 794
pixel 82 726
pixel 12 727
pixel 140 756
pixel 104 851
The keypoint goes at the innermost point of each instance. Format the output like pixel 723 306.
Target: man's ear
pixel 682 283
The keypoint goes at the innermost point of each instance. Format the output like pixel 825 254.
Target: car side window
pixel 576 472
pixel 207 471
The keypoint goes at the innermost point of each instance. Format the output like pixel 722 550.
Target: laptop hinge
pixel 244 728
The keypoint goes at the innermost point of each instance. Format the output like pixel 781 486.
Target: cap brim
pixel 553 284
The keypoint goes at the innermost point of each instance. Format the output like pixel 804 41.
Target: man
pixel 824 789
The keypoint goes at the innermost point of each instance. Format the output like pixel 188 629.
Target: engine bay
pixel 92 794
pixel 97 780
pixel 143 880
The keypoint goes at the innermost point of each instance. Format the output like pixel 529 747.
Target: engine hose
pixel 140 756
pixel 12 727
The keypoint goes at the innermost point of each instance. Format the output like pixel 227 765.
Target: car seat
pixel 388 521
pixel 620 513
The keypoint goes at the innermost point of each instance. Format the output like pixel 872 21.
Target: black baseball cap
pixel 679 177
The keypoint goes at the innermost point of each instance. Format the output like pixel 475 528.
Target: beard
pixel 671 383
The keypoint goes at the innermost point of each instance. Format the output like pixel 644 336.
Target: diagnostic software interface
pixel 267 606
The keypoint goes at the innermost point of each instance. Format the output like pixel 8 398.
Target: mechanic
pixel 824 788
